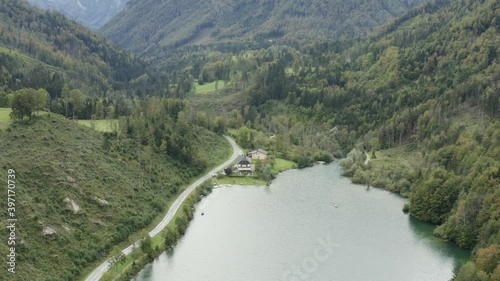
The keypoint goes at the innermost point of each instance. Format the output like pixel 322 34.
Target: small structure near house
pixel 244 166
pixel 259 154
pixel 228 171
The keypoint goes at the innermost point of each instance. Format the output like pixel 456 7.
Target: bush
pixel 147 245
pixel 323 156
pixel 171 236
pixel 182 223
pixel 303 161
pixel 406 208
pixel 359 177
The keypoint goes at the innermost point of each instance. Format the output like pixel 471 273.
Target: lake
pixel 309 224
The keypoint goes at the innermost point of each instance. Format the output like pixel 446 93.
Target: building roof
pixel 242 158
pixel 259 150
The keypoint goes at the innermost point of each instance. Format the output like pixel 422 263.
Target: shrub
pixel 171 236
pixel 406 208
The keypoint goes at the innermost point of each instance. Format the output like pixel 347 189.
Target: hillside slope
pixel 90 13
pixel 43 49
pixel 146 27
pixel 78 192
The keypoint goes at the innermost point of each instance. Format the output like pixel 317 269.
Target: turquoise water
pixel 292 230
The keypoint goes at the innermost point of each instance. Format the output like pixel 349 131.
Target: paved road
pixel 368 158
pixel 103 267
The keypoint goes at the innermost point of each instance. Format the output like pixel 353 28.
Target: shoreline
pixel 132 268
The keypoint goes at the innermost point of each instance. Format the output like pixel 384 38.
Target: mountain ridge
pixel 151 26
pixel 44 49
pixel 92 14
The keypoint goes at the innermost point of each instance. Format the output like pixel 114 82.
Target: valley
pixel 106 129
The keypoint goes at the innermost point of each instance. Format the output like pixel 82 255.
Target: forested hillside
pixel 149 27
pixel 420 96
pixel 92 14
pixel 79 192
pixel 422 93
pixel 43 49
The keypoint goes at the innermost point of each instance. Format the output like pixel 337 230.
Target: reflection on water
pixel 424 232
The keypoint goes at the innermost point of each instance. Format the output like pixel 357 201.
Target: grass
pixel 117 269
pixel 208 87
pixel 101 125
pixel 392 158
pixel 4 118
pixel 54 159
pixel 281 165
pixel 214 103
pixel 220 150
pixel 157 241
pixel 120 270
pixel 237 180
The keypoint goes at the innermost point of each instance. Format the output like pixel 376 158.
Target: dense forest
pixel 425 86
pixel 152 27
pixel 43 49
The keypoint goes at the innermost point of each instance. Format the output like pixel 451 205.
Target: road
pixel 103 267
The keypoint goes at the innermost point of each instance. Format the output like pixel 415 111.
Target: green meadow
pixel 101 125
pixel 281 165
pixel 4 118
pixel 208 87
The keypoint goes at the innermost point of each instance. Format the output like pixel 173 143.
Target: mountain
pixel 91 13
pixel 44 49
pixel 148 26
pixel 80 192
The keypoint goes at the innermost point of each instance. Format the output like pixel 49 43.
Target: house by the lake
pixel 244 166
pixel 259 154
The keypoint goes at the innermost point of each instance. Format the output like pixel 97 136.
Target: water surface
pixel 310 224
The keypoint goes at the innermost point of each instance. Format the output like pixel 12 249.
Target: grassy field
pixel 101 125
pixel 281 165
pixel 208 87
pixel 216 102
pixel 391 159
pixel 239 181
pixel 4 118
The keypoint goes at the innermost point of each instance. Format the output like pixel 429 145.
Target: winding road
pixel 103 267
